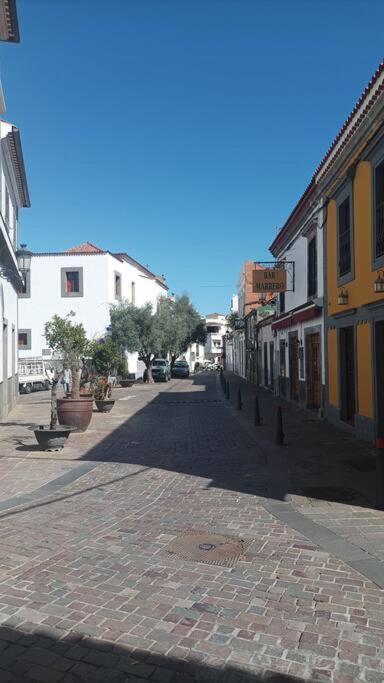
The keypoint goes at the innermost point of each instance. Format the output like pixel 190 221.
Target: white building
pixel 13 196
pixel 194 355
pixel 216 326
pixel 86 280
pixel 298 328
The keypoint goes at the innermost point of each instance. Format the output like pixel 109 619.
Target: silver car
pixel 161 370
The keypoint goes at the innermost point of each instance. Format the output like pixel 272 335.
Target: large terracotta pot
pixel 75 412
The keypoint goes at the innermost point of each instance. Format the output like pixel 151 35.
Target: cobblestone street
pixel 90 591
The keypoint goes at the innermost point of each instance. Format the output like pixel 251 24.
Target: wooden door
pixel 379 372
pixel 265 364
pixel 271 363
pixel 282 366
pixel 313 371
pixel 294 367
pixel 347 364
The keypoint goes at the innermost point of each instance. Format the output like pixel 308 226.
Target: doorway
pixel 265 364
pixel 271 363
pixel 282 366
pixel 313 370
pixel 347 375
pixel 5 368
pixel 379 371
pixel 294 367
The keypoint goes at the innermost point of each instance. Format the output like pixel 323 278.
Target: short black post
pixel 279 434
pixel 257 413
pixel 239 400
pixel 380 478
pixel 227 390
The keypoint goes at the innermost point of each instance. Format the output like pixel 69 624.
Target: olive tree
pixel 137 329
pixel 68 342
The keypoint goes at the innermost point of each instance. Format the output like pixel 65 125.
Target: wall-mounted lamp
pixel 23 256
pixel 378 284
pixel 342 298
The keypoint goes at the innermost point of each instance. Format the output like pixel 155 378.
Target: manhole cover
pixel 333 494
pixel 209 548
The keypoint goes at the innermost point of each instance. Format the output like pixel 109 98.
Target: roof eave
pixel 17 160
pixel 9 25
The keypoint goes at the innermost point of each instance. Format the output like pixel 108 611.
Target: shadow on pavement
pixel 33 653
pixel 193 432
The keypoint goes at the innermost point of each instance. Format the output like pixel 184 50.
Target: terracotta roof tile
pixel 84 248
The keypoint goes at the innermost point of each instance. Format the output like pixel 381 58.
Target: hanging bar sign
pixel 269 280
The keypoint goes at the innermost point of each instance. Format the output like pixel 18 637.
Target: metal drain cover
pixel 333 494
pixel 208 547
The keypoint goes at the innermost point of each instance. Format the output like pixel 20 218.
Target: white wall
pixel 93 308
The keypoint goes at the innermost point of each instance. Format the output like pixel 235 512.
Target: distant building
pixel 87 280
pixel 216 325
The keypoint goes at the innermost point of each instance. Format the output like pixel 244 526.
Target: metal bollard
pixel 279 433
pixel 239 401
pixel 257 413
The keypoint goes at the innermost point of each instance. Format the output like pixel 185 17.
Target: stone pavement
pixel 319 456
pixel 88 590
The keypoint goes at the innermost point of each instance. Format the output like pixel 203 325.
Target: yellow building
pixel 351 178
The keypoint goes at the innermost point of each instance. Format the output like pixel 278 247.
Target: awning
pixel 300 316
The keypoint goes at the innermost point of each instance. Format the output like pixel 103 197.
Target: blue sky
pixel 180 131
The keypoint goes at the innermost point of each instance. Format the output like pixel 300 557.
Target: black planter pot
pixel 52 439
pixel 126 383
pixel 105 406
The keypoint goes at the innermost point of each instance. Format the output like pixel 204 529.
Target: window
pixel 282 302
pixel 312 267
pixel 25 290
pixel 344 238
pixel 24 340
pixel 379 210
pixel 117 286
pixel 213 329
pixel 72 282
pixel 133 293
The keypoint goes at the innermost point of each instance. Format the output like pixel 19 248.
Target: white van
pixel 33 375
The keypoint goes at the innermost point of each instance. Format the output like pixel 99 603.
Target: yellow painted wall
pixel 360 290
pixel 333 390
pixel 364 370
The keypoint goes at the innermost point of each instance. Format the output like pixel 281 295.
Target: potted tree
pixel 103 393
pixel 54 436
pixel 107 361
pixel 68 341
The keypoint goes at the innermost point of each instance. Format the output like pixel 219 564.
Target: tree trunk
pixel 55 381
pixel 76 375
pixel 173 358
pixel 148 365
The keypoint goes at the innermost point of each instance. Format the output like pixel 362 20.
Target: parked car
pixel 180 368
pixel 161 370
pixel 33 375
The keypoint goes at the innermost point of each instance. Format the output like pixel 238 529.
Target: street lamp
pixel 23 256
pixel 378 284
pixel 342 298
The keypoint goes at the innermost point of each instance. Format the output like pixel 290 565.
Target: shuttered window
pixel 345 247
